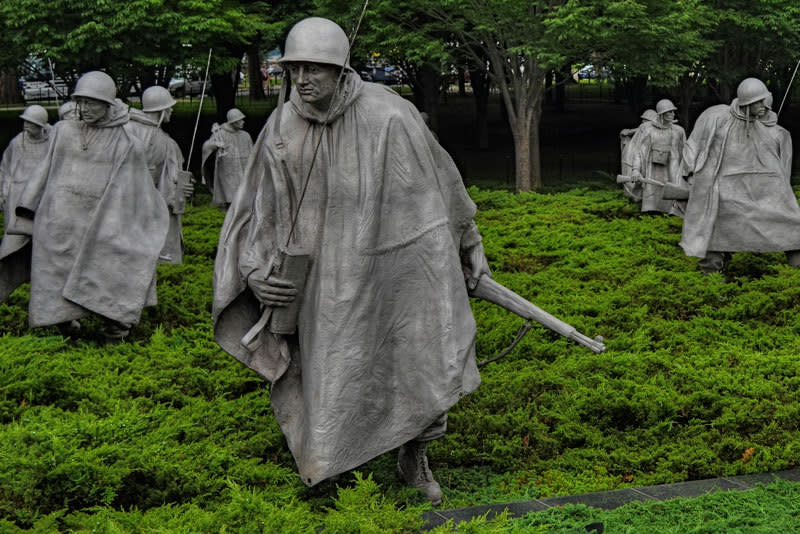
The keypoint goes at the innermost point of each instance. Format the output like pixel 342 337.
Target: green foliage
pixel 766 509
pixel 166 433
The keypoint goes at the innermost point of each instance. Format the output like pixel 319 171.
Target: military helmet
pixel 751 90
pixel 665 105
pixel 97 85
pixel 649 115
pixel 317 40
pixel 35 114
pixel 234 115
pixel 156 98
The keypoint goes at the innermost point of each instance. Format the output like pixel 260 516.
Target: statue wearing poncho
pixel 385 338
pixel 98 223
pixel 165 162
pixel 21 157
pixel 232 146
pixel 741 198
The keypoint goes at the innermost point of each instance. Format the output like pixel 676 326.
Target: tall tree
pixel 514 38
pixel 661 43
pixel 143 40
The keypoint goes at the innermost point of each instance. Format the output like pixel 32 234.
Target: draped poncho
pixel 655 152
pixel 230 163
pixel 385 340
pixel 98 224
pixel 20 158
pixel 165 161
pixel 741 197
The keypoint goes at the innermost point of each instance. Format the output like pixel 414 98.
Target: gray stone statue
pixel 632 189
pixel 384 343
pixel 165 161
pixel 654 157
pixel 232 146
pixel 24 152
pixel 741 197
pixel 67 111
pixel 96 220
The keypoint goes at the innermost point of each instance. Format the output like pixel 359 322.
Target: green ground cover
pixel 166 433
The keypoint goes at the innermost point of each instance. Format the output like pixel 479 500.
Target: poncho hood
pixel 348 92
pixel 769 118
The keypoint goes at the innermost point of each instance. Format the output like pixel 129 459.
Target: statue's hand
pixel 476 261
pixel 188 189
pixel 271 290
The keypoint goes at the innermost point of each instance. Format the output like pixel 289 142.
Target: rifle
pixel 496 293
pixel 671 191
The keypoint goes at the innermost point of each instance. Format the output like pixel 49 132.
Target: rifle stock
pixel 496 293
pixel 671 191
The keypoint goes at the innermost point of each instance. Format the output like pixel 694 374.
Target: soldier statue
pixel 655 158
pixel 347 173
pixel 232 145
pixel 24 152
pixel 165 161
pixel 741 197
pixel 96 220
pixel 632 189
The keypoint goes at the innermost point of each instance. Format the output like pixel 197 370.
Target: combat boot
pixel 412 464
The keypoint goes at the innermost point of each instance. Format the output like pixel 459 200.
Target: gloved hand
pixel 476 261
pixel 271 290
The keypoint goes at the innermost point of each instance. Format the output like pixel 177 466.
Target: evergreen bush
pixel 167 433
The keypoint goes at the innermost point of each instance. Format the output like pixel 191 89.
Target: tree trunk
pixel 687 90
pixel 479 80
pixel 225 94
pixel 430 81
pixel 462 82
pixel 9 87
pixel 522 154
pixel 536 155
pixel 548 88
pixel 636 88
pixel 254 73
pixel 562 79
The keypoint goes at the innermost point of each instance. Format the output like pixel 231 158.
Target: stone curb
pixel 608 500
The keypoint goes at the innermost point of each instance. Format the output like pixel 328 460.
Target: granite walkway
pixel 608 500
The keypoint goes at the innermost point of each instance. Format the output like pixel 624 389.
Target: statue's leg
pixel 412 461
pixel 714 261
pixel 793 257
pixel 114 331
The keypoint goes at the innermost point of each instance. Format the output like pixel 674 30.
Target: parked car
pixel 32 91
pixel 386 75
pixel 182 87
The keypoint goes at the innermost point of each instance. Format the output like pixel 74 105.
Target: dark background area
pixel 578 144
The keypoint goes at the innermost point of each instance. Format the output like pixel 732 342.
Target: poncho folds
pixel 741 197
pixel 655 152
pixel 99 224
pixel 230 163
pixel 385 341
pixel 20 158
pixel 164 160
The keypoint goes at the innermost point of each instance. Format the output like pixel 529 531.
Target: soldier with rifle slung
pixel 355 222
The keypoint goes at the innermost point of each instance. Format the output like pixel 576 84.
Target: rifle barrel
pixel 496 293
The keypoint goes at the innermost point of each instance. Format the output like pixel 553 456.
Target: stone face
pixel 385 334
